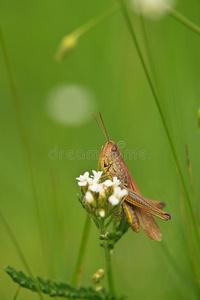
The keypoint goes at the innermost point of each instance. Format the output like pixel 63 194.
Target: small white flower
pixel 113 200
pixel 152 8
pixel 118 194
pixel 90 181
pixel 101 213
pixel 88 197
pixel 108 183
pixel 116 182
pixel 83 179
pixel 96 187
pixel 97 175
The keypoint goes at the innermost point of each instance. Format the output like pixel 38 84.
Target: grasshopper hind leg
pixel 131 216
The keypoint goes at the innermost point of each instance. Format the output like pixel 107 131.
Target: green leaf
pixel 80 199
pixel 57 289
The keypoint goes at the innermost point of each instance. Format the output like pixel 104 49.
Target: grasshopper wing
pixel 144 209
pixel 148 224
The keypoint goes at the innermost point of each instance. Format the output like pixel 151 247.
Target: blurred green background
pixel 106 74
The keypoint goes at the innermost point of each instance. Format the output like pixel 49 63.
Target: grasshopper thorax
pixel 109 154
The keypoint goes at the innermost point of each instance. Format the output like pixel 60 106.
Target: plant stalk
pixel 95 21
pixel 184 21
pixel 109 271
pixel 76 280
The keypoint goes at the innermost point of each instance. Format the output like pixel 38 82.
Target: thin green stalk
pixel 129 24
pixel 23 134
pixel 95 21
pixel 19 251
pixel 148 50
pixel 76 280
pixel 108 262
pixel 17 292
pixel 183 20
pixel 192 244
pixel 109 268
pixel 109 222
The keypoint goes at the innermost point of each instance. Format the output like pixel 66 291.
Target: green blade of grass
pixel 19 251
pixel 24 140
pixel 129 24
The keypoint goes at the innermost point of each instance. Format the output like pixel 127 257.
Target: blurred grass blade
pixel 76 280
pixel 17 292
pixel 24 140
pixel 198 118
pixel 183 20
pixel 19 251
pixel 131 30
pixel 189 208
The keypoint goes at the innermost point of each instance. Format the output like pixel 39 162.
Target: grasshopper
pixel 138 210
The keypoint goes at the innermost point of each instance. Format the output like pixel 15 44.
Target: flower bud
pixel 101 213
pixel 98 276
pixel 67 44
pixel 198 118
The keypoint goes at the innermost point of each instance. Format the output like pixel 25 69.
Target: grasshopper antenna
pixel 106 137
pixel 104 126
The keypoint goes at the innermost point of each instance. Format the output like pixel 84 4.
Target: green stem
pixel 17 292
pixel 129 24
pixel 146 43
pixel 95 21
pixel 79 266
pixel 108 262
pixel 19 251
pixel 183 20
pixel 109 222
pixel 109 268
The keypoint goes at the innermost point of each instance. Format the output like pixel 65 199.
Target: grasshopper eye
pixel 114 148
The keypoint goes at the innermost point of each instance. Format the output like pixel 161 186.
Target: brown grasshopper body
pixel 138 210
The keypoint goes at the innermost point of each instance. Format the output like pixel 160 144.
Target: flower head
pixel 118 194
pixel 96 188
pixel 108 183
pixel 152 8
pixel 83 179
pixel 96 175
pixel 116 182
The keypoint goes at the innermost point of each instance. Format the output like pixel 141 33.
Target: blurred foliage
pixel 106 62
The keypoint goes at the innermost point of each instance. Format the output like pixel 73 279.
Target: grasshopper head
pixel 109 154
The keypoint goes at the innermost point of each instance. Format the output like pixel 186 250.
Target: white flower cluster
pixel 98 194
pixel 152 8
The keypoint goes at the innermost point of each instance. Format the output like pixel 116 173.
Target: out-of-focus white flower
pixel 102 213
pixel 97 175
pixel 83 179
pixel 88 197
pixel 116 182
pixel 117 195
pixel 152 8
pixel 108 183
